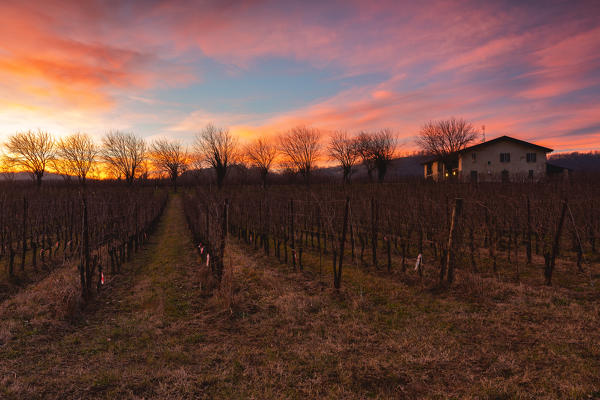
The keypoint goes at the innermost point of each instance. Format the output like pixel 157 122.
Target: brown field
pixel 159 331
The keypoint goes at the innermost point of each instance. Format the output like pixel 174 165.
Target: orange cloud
pixel 57 50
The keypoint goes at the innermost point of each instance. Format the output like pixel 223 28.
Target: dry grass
pixel 267 332
pixel 52 302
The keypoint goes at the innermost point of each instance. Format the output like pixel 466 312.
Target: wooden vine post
pixel 374 221
pixel 550 258
pixel 337 270
pixel 24 235
pixel 292 235
pixel 220 261
pixel 84 264
pixel 528 238
pixel 454 239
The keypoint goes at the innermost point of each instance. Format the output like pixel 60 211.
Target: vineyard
pixel 97 230
pixel 424 232
pixel 404 290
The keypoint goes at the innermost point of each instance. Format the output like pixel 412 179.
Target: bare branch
pixel 445 137
pixel 344 150
pixel 169 157
pixel 76 156
pixel 31 151
pixel 261 154
pixel 377 151
pixel 217 148
pixel 124 153
pixel 301 149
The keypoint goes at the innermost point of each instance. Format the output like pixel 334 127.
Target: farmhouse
pixel 502 159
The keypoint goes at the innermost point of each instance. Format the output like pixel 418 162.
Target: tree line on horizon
pixel 123 155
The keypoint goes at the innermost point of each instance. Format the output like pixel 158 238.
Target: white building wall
pixel 489 168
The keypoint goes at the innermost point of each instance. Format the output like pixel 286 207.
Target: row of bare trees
pixel 298 151
pixel 125 155
pixel 374 150
pixel 120 155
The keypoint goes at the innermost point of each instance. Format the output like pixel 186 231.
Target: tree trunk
pixel 38 177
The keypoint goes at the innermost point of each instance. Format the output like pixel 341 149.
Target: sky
pixel 528 69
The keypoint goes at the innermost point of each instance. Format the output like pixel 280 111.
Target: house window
pixel 505 177
pixel 474 156
pixel 429 169
pixel 530 174
pixel 531 157
pixel 504 157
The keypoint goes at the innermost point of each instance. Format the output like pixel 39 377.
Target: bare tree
pixel 169 157
pixel 124 153
pixel 217 148
pixel 344 150
pixel 261 154
pixel 76 156
pixel 445 137
pixel 383 149
pixel 364 147
pixel 301 149
pixel 376 151
pixel 31 151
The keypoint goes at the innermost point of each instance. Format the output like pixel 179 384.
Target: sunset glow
pixel 166 68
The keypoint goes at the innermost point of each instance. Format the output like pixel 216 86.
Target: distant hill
pixel 401 167
pixel 584 162
pixel 24 176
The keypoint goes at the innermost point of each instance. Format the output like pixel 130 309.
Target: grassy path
pixel 131 343
pixel 272 333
